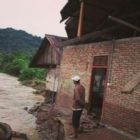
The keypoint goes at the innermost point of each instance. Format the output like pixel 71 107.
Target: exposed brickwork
pixel 124 63
pixel 122 118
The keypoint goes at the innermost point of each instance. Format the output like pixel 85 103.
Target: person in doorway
pixel 78 104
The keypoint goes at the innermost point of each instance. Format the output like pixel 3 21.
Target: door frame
pixel 92 80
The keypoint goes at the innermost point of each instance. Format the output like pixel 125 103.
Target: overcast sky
pixel 38 17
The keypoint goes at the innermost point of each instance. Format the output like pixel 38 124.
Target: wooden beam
pixel 92 35
pixel 81 16
pixel 106 36
pixel 124 23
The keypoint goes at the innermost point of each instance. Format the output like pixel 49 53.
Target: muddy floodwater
pixel 13 98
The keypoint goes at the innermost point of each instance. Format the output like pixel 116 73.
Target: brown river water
pixel 13 98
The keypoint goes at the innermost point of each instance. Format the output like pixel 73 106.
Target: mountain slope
pixel 18 40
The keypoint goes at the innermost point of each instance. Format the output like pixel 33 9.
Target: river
pixel 13 98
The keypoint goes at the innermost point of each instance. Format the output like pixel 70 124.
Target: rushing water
pixel 13 98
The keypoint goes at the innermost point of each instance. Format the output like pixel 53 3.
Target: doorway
pixel 98 85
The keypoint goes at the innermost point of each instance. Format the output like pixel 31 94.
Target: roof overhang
pixel 48 41
pixel 96 13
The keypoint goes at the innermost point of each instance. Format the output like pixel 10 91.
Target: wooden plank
pixel 92 35
pixel 130 85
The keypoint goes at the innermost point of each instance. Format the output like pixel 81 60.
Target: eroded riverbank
pixel 14 97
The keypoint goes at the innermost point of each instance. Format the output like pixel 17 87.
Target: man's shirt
pixel 79 97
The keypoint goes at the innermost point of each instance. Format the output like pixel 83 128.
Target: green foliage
pixel 16 48
pixel 17 64
pixel 32 73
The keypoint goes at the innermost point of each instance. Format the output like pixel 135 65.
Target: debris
pixel 5 131
pixel 49 127
pixel 19 135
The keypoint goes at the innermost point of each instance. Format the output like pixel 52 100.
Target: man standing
pixel 78 104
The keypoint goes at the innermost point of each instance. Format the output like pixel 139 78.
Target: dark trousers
pixel 76 118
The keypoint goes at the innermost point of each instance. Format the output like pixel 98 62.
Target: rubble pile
pixel 49 127
pixel 88 123
pixel 48 121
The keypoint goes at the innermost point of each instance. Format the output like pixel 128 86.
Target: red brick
pixel 78 59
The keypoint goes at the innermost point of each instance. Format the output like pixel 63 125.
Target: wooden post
pixel 80 23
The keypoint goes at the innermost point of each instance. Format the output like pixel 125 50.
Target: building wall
pixel 77 60
pixel 119 110
pixel 52 79
pixel 123 110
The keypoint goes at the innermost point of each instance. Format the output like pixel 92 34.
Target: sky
pixel 38 17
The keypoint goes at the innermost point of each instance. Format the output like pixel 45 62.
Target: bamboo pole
pixel 81 16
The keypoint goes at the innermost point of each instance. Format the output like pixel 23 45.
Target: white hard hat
pixel 75 78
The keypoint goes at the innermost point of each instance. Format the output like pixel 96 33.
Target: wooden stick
pixel 80 24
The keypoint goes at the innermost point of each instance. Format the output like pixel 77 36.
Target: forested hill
pixel 18 40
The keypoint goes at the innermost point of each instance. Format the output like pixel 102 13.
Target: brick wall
pixel 123 110
pixel 124 63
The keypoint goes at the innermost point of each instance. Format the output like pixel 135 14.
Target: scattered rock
pixel 2 134
pixel 5 131
pixel 19 135
pixel 33 109
pixel 26 108
pixel 38 103
pixel 87 123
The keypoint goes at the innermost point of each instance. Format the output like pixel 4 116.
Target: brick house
pixel 118 64
pixel 107 58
